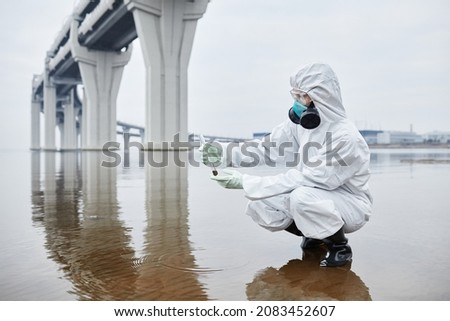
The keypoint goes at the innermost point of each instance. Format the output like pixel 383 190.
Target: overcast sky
pixel 392 59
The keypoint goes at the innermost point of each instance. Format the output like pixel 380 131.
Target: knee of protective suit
pixel 267 216
pixel 314 212
pixel 300 198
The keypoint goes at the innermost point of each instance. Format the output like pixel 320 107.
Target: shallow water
pixel 73 230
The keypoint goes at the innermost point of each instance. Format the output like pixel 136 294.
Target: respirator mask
pixel 306 116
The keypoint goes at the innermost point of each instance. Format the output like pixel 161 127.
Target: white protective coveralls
pixel 328 189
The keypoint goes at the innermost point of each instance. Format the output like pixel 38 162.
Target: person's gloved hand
pixel 211 155
pixel 229 179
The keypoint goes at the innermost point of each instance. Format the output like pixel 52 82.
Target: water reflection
pixel 306 280
pixel 381 159
pixel 78 210
pixel 101 264
pixel 83 232
pixel 172 276
pixel 36 191
pixel 125 234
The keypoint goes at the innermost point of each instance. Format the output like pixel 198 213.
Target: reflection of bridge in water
pixel 78 210
pixel 92 49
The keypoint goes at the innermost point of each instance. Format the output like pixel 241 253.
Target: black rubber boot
pixel 339 252
pixel 309 243
pixel 294 229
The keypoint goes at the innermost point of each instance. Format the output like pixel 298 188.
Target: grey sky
pixel 392 59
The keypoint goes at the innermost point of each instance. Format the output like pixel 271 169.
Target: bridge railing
pixel 92 17
pixel 195 138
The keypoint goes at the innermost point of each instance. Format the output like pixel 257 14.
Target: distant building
pixel 397 137
pixel 374 137
pixel 370 136
pixel 436 137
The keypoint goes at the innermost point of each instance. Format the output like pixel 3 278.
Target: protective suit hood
pixel 321 84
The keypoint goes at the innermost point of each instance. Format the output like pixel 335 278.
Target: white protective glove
pixel 229 179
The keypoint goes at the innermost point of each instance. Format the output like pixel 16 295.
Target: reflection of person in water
pixel 305 280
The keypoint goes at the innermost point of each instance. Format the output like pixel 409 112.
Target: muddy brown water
pixel 73 230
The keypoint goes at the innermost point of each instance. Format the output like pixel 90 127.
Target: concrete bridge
pixel 92 49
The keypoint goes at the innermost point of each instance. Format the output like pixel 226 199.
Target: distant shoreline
pixel 409 146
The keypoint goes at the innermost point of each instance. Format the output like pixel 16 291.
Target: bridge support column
pixel 101 73
pixel 166 30
pixel 82 118
pixel 60 127
pixel 49 112
pixel 78 125
pixel 70 130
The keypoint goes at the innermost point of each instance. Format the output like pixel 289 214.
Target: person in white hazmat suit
pixel 326 194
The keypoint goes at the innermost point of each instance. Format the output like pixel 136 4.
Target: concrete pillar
pixel 35 125
pixel 101 73
pixel 166 30
pixel 83 132
pixel 61 126
pixel 49 112
pixel 78 125
pixel 70 129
